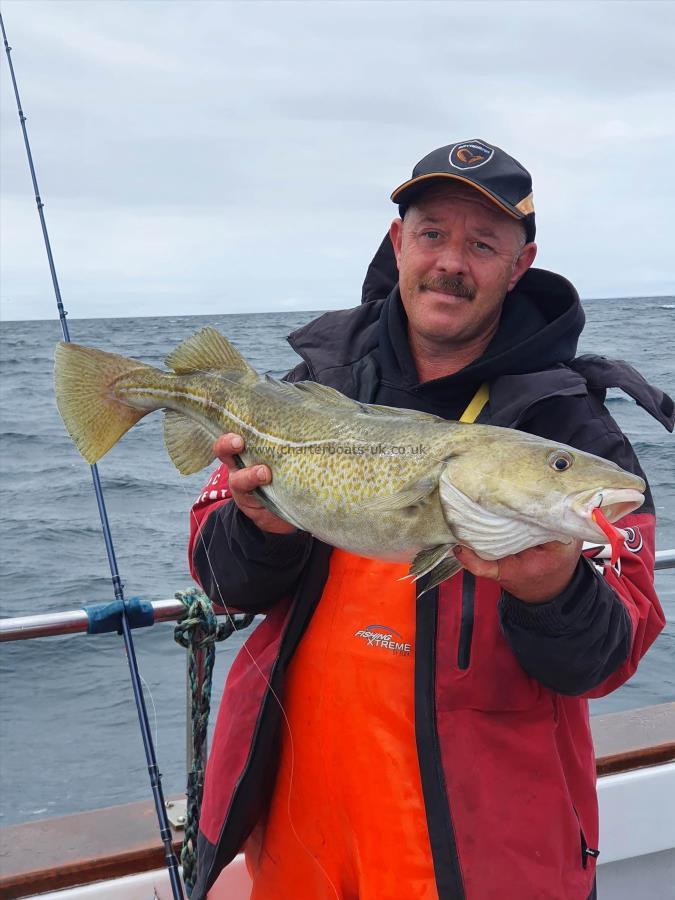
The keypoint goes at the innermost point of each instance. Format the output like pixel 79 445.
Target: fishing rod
pixel 153 770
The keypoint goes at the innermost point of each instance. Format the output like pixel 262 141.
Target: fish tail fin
pixel 94 418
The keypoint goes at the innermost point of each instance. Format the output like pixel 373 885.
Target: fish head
pixel 519 476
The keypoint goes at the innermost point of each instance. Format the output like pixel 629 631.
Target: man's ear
pixel 523 263
pixel 396 236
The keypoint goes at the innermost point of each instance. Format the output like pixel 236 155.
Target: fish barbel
pixel 381 482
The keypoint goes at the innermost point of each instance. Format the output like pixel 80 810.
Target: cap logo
pixel 470 155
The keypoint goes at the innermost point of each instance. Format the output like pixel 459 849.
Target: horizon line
pixel 266 312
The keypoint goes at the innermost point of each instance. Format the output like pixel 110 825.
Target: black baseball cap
pixel 498 176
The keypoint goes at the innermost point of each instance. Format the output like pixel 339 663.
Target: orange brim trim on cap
pixel 526 205
pixel 516 212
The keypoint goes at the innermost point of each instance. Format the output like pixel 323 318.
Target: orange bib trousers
pixel 347 819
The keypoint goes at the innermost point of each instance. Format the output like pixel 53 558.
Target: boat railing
pixel 86 621
pixel 76 621
pixel 635 754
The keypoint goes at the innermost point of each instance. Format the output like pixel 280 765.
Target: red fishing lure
pixel 615 536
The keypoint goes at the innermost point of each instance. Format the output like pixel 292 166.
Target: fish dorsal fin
pixel 311 390
pixel 189 444
pixel 414 415
pixel 205 351
pixel 330 395
pixel 287 388
pixel 326 394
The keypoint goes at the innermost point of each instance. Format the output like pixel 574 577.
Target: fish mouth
pixel 615 503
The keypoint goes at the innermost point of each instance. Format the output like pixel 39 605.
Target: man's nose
pixel 452 258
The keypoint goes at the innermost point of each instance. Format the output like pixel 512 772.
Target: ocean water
pixel 69 737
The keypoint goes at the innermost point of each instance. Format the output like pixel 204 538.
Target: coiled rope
pixel 198 630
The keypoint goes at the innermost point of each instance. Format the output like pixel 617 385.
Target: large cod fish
pixel 377 481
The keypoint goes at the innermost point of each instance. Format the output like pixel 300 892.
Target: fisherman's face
pixel 458 254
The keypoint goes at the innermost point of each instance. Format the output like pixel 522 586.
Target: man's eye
pixel 480 245
pixel 432 235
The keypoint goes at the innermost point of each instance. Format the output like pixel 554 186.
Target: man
pixel 463 765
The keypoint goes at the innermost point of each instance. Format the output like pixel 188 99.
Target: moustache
pixel 447 285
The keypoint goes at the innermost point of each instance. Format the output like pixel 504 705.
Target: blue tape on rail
pixel 105 617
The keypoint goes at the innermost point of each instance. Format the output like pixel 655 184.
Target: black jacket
pixel 536 385
pixel 588 638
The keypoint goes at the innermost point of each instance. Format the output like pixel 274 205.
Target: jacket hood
pixel 540 326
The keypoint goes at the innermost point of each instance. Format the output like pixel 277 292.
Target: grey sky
pixel 208 157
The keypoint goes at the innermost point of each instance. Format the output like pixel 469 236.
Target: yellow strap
pixel 475 407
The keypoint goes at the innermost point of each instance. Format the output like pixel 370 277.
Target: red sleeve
pixel 633 584
pixel 589 639
pixel 214 495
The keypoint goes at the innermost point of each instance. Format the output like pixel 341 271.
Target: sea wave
pixel 52 556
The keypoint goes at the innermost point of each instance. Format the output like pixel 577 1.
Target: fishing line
pixel 151 760
pixel 278 700
pixel 154 708
pixel 136 678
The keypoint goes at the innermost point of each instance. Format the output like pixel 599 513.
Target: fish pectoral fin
pixel 189 444
pixel 207 350
pixel 410 495
pixel 445 569
pixel 428 559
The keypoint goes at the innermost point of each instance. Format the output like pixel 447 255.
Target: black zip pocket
pixel 466 625
pixel 586 851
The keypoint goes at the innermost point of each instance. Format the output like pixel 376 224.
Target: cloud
pixel 63 27
pixel 193 154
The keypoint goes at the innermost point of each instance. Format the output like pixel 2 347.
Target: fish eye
pixel 560 460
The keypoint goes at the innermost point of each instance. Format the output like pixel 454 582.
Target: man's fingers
pixel 481 568
pixel 244 481
pixel 227 447
pixel 534 575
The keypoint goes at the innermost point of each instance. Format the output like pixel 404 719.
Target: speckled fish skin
pixel 328 460
pixel 379 482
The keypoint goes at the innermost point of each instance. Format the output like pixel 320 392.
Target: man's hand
pixel 244 481
pixel 534 576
